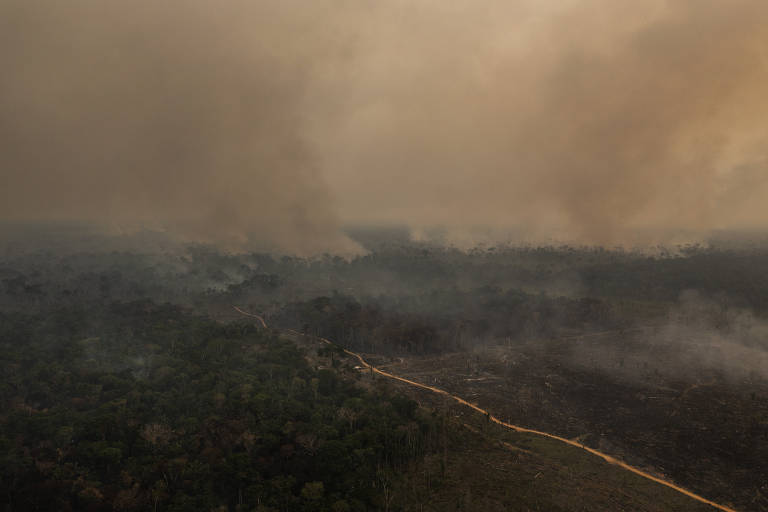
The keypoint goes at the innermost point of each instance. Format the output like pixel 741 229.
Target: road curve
pixel 516 428
pixel 258 317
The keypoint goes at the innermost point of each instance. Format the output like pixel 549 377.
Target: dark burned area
pixel 713 436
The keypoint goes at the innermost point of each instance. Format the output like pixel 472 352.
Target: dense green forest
pixel 138 406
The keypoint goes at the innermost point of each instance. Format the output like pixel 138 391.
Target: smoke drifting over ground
pixel 249 123
pixel 702 336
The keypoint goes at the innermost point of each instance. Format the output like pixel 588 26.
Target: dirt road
pixel 258 317
pixel 516 428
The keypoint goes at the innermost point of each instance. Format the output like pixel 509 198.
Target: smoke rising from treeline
pixel 247 123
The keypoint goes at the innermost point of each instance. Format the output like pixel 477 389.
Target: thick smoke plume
pixel 594 120
pixel 247 123
pixel 180 115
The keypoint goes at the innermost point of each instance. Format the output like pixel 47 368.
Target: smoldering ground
pixel 704 337
pixel 243 122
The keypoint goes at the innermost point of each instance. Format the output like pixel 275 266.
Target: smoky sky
pixel 180 115
pixel 251 123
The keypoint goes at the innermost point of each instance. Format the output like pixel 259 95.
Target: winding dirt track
pixel 258 317
pixel 516 428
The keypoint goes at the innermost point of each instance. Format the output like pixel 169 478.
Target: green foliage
pixel 144 407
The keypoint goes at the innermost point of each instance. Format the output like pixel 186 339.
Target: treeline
pixel 198 275
pixel 139 406
pixel 742 276
pixel 452 320
pixel 405 297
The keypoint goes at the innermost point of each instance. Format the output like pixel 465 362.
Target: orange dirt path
pixel 516 428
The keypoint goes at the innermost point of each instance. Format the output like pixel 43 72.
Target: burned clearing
pixel 700 428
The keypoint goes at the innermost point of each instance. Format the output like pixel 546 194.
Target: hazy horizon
pixel 276 124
